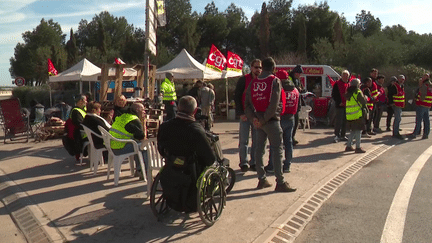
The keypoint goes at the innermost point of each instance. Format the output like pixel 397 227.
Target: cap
pixel 298 69
pixel 281 74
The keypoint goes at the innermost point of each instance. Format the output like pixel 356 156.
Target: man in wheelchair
pixel 183 143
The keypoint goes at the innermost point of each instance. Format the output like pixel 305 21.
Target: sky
pixel 19 16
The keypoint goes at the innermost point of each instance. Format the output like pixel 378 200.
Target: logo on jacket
pixel 259 86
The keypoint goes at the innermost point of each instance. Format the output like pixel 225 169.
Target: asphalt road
pixel 388 200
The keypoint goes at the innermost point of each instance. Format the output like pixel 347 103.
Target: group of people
pixel 128 122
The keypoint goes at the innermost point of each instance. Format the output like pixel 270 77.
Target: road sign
pixel 20 81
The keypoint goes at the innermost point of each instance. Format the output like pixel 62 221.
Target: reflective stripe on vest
pixel 118 130
pixel 353 109
pixel 168 89
pixel 427 102
pixel 83 114
pixel 374 90
pixel 399 98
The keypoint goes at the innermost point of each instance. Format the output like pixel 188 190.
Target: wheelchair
pixel 213 185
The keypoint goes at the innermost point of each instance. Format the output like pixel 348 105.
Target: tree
pixel 239 35
pixel 264 32
pixel 72 50
pixel 280 21
pixel 302 35
pixel 367 24
pixel 30 59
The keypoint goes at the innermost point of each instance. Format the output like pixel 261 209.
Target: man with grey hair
pixel 396 95
pixel 338 95
pixel 169 96
pixel 184 145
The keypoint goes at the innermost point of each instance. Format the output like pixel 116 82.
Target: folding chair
pixel 95 154
pixel 38 123
pixel 117 160
pixel 155 161
pixel 14 122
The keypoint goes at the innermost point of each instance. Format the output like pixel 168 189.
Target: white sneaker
pixel 336 139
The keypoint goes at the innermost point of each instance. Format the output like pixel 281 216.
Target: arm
pixel 204 151
pixel 336 94
pixel 238 95
pixel 272 109
pixel 76 117
pixel 136 128
pixel 423 91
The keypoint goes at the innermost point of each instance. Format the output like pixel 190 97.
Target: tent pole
pixel 226 93
pixel 80 86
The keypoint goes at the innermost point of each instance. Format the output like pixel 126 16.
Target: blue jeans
pixel 273 131
pixel 244 129
pixel 422 114
pixel 128 148
pixel 356 134
pixel 287 126
pixel 397 119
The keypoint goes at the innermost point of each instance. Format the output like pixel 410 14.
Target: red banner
pixel 216 60
pixel 235 63
pixel 51 69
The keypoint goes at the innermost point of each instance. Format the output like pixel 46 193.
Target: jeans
pixel 287 129
pixel 389 115
pixel 397 119
pixel 296 123
pixel 273 131
pixel 340 122
pixel 171 109
pixel 356 134
pixel 378 114
pixel 245 128
pixel 128 148
pixel 422 114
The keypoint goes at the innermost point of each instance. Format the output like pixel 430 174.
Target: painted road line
pixel 395 222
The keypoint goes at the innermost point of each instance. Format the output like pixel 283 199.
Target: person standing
pixel 295 77
pixel 245 126
pixel 366 90
pixel 380 104
pixel 374 92
pixel 169 96
pixel 287 120
pixel 355 101
pixel 263 108
pixel 338 95
pixel 390 111
pixel 207 102
pixel 423 105
pixel 396 94
pixel 195 90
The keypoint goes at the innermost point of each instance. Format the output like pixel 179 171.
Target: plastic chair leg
pixel 117 170
pixel 132 164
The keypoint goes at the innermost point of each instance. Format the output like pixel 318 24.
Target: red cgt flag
pixel 51 69
pixel 216 60
pixel 235 63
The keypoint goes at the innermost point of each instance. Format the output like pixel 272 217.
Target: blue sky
pixel 18 16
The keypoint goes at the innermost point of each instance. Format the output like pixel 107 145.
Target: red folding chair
pixel 14 123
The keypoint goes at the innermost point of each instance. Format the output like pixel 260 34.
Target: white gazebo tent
pixel 82 71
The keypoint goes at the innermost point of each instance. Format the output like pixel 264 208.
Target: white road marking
pixel 395 222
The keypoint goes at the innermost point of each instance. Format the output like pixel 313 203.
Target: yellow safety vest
pixel 118 130
pixel 168 89
pixel 353 108
pixel 83 114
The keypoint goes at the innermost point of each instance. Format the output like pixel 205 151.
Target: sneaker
pixel 412 136
pixel 268 169
pixel 286 169
pixel 284 187
pixel 398 136
pixel 252 168
pixel 349 149
pixel 425 137
pixel 336 139
pixel 343 138
pixel 388 129
pixel 365 135
pixel 371 133
pixel 359 151
pixel 244 168
pixel 263 184
pixel 377 130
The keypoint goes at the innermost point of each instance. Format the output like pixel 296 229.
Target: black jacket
pixel 92 122
pixel 238 95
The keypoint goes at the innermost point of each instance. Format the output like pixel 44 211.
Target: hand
pixel 256 123
pixel 243 118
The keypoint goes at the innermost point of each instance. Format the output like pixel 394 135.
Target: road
pixel 388 200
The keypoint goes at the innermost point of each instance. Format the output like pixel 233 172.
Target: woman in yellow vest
pixel 130 125
pixel 355 102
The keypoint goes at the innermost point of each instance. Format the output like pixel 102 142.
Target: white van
pixel 315 78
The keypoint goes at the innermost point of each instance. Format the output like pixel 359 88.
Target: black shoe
pixel 412 136
pixel 252 168
pixel 263 184
pixel 398 136
pixel 377 130
pixel 343 138
pixel 286 169
pixel 425 137
pixel 371 133
pixel 388 129
pixel 284 187
pixel 295 142
pixel 359 151
pixel 349 149
pixel 268 169
pixel 244 168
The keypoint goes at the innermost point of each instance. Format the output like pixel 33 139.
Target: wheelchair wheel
pixel 157 202
pixel 229 178
pixel 211 196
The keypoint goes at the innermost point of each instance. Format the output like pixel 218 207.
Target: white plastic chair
pixel 117 160
pixel 304 115
pixel 155 161
pixel 96 157
pixel 85 144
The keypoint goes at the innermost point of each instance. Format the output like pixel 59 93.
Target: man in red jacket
pixel 338 95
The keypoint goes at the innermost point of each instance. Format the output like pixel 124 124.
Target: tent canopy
pixel 82 71
pixel 184 66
